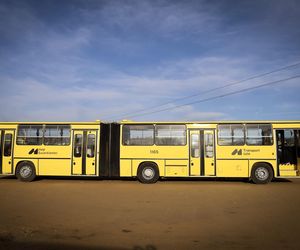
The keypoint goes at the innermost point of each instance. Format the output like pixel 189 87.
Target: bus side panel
pixel 232 168
pixel 126 167
pixel 55 167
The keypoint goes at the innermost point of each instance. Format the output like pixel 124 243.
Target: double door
pixel 6 151
pixel 84 152
pixel 202 152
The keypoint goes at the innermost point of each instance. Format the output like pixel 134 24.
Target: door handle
pixel 192 164
pixel 93 163
pixel 9 162
pixel 212 164
pixel 74 163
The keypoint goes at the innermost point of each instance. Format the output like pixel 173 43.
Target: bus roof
pixel 214 122
pixel 52 122
pixel 157 122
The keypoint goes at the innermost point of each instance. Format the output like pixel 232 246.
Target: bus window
pixel 77 145
pixel 259 134
pixel 195 145
pixel 30 135
pixel 90 148
pixel 7 144
pixel 170 135
pixel 231 134
pixel 138 135
pixel 298 142
pixel 289 138
pixel 209 145
pixel 57 135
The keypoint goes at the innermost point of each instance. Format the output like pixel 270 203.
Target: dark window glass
pixel 289 138
pixel 224 135
pixel 231 134
pixel 30 135
pixel 0 145
pixel 195 145
pixel 78 145
pixel 138 135
pixel 259 134
pixel 7 144
pixel 209 145
pixel 57 135
pixel 298 142
pixel 170 135
pixel 90 148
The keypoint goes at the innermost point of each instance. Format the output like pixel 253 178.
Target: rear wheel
pixel 148 173
pixel 25 171
pixel 261 174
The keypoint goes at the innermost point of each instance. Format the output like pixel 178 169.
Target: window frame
pixel 74 155
pixel 231 132
pixel 272 134
pixel 170 124
pixel 93 137
pixel 43 130
pixel 57 125
pixel 192 153
pixel 29 125
pixel 10 135
pixel 139 145
pixel 154 137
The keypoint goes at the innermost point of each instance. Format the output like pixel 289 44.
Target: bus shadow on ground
pixel 164 180
pixel 7 244
pixel 217 179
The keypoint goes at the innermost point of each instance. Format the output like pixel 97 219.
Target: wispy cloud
pixel 111 57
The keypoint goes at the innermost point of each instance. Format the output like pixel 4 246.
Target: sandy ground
pixel 102 214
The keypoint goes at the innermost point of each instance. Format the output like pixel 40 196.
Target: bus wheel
pixel 25 171
pixel 148 173
pixel 261 173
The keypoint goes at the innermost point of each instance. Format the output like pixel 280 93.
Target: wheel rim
pixel 148 173
pixel 25 171
pixel 262 173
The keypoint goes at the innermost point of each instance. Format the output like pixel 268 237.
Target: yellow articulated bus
pixel 256 150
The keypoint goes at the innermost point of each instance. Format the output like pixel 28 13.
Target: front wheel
pixel 25 171
pixel 261 174
pixel 148 173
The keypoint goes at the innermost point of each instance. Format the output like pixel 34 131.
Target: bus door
pixel 84 152
pixel 202 152
pixel 6 151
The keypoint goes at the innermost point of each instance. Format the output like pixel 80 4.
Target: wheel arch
pixel 153 163
pixel 261 180
pixel 258 163
pixel 25 161
pixel 19 163
pixel 33 162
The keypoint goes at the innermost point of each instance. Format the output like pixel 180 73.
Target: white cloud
pixel 63 73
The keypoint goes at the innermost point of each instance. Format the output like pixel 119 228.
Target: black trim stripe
pixel 202 160
pixel 84 153
pixel 248 159
pixel 40 158
pixel 1 143
pixel 104 150
pixel 133 158
pixel 176 165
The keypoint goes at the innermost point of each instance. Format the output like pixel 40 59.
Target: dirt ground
pixel 124 214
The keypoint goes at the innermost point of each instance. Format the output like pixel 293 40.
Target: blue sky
pixel 87 60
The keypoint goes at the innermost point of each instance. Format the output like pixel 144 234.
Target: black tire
pixel 148 173
pixel 25 171
pixel 261 173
